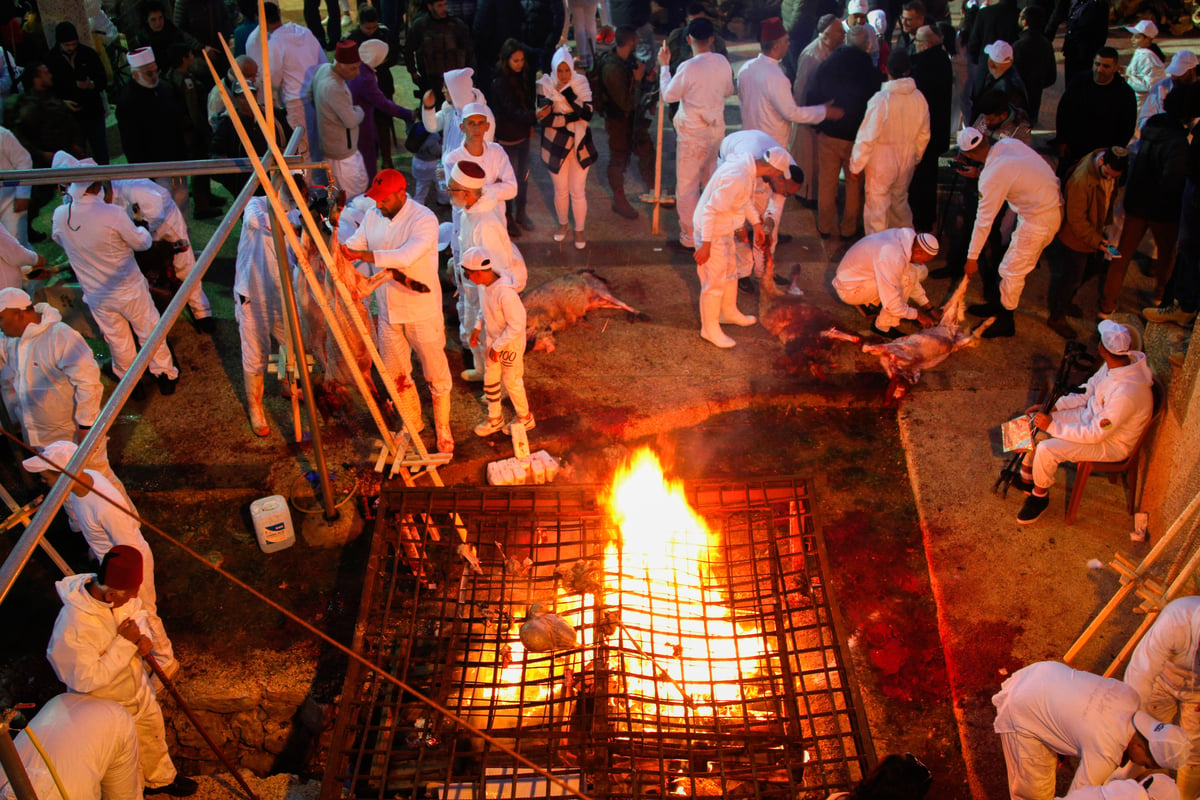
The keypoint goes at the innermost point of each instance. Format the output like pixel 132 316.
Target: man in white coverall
pixel 100 240
pixel 95 649
pixel 885 269
pixel 90 742
pixel 482 224
pixel 700 86
pixel 1101 424
pixel 769 197
pixel 49 378
pixel 1048 709
pixel 257 304
pixel 726 204
pixel 401 235
pixel 1015 174
pixel 1165 671
pixel 765 94
pixel 1152 787
pixel 15 260
pixel 103 527
pixel 889 143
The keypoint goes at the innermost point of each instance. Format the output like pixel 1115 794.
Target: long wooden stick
pixel 658 159
pixel 170 687
pixel 264 69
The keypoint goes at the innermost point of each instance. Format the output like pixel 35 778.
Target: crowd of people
pixel 850 108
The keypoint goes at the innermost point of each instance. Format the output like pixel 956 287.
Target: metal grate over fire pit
pixel 769 711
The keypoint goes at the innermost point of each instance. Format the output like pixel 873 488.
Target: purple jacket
pixel 365 92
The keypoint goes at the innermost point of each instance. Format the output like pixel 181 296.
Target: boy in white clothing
pixel 503 325
pixel 1145 66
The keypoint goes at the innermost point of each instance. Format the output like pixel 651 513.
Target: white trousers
pixel 185 262
pixel 428 338
pixel 887 175
pixel 115 318
pixel 720 269
pixel 258 321
pixel 163 651
pixel 509 371
pixel 157 767
pixel 1051 452
pixel 349 174
pixel 583 19
pixel 696 153
pixel 1029 238
pixel 1165 704
pixel 1031 767
pixel 570 184
pixel 865 293
pixel 15 222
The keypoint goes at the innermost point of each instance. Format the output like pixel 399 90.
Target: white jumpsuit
pixel 90 657
pixel 91 744
pixel 503 325
pixel 166 224
pixel 878 269
pixel 700 86
pixel 726 204
pixel 889 143
pixel 1101 424
pixel 768 203
pixel 100 240
pixel 13 256
pixel 14 156
pixel 1165 671
pixel 257 298
pixel 1048 709
pixel 1014 173
pixel 1145 69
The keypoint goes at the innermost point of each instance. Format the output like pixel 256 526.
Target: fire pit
pixel 707 659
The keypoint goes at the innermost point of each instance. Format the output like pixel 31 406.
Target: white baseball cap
pixel 1145 28
pixel 857 7
pixel 14 298
pixel 57 452
pixel 1115 337
pixel 999 51
pixel 1181 62
pixel 1169 745
pixel 477 259
pixel 968 139
pixel 778 158
pixel 1161 787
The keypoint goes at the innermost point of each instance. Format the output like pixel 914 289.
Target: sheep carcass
pixel 560 303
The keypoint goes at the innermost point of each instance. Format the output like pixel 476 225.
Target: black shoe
pixel 166 385
pixel 945 272
pixel 1021 484
pixel 1003 327
pixel 207 325
pixel 747 285
pixel 890 333
pixel 867 310
pixel 36 236
pixel 985 309
pixel 180 787
pixel 1034 507
pixel 784 238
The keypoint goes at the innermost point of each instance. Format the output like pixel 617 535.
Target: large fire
pixel 659 575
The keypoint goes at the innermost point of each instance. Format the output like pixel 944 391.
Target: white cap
pixel 1161 787
pixel 1169 745
pixel 373 52
pixel 968 139
pixel 445 235
pixel 928 243
pixel 14 298
pixel 474 110
pixel 877 19
pixel 778 158
pixel 1115 337
pixel 477 259
pixel 1145 28
pixel 142 57
pixel 57 452
pixel 1181 62
pixel 857 7
pixel 999 51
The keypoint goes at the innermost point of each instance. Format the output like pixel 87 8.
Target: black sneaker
pixel 180 787
pixel 1003 327
pixel 1021 484
pixel 166 385
pixel 747 285
pixel 984 309
pixel 1035 506
pixel 890 333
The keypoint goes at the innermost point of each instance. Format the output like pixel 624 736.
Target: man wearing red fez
pixel 96 648
pixel 338 119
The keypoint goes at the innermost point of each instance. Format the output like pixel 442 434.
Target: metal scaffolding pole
pixel 158 169
pixel 24 548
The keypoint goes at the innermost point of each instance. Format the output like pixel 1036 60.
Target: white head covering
pixel 463 179
pixel 58 452
pixel 475 110
pixel 778 158
pixel 928 243
pixel 1181 62
pixel 373 52
pixel 1145 28
pixel 1115 337
pixel 1161 787
pixel 445 234
pixel 14 298
pixel 561 56
pixel 968 139
pixel 477 259
pixel 999 51
pixel 64 159
pixel 459 86
pixel 857 7
pixel 142 57
pixel 877 19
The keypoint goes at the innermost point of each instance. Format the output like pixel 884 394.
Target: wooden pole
pixel 658 159
pixel 264 72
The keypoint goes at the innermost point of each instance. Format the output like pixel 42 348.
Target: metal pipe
pixel 291 316
pixel 24 547
pixel 157 169
pixel 10 760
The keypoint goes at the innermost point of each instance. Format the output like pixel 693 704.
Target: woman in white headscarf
pixel 567 146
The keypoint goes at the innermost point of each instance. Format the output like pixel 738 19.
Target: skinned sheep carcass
pixel 905 358
pixel 558 304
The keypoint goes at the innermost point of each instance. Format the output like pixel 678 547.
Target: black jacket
pixel 934 76
pixel 849 79
pixel 511 100
pixel 151 123
pixel 997 21
pixel 1154 185
pixel 1091 116
pixel 86 64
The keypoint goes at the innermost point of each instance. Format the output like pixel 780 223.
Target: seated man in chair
pixel 1103 423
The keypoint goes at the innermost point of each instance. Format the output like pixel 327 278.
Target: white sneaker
pixel 489 426
pixel 529 422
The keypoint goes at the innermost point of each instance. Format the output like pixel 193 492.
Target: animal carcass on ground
pixel 904 359
pixel 558 304
pixel 795 322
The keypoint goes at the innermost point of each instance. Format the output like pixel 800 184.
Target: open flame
pixel 691 654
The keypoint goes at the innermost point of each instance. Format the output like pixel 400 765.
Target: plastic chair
pixel 1126 468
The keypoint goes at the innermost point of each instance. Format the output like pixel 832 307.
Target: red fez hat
pixel 771 30
pixel 387 182
pixel 121 569
pixel 346 52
